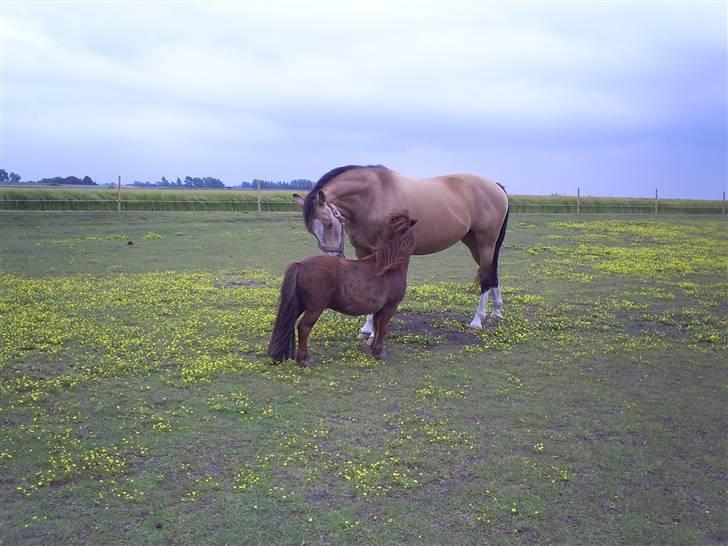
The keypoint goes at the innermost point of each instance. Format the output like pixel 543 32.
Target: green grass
pixel 105 199
pixel 137 405
pixel 15 198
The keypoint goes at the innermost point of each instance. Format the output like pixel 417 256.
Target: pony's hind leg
pixel 304 329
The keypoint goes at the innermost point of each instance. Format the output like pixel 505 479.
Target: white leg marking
pixel 497 302
pixel 367 330
pixel 477 322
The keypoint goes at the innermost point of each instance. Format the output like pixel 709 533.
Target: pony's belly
pixel 357 308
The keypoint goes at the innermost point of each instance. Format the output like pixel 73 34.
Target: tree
pixel 3 176
pixel 14 178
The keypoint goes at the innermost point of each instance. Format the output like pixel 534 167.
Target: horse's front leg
pixel 381 325
pixel 367 331
pixel 304 329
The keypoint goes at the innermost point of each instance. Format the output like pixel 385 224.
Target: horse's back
pixel 448 207
pixel 463 190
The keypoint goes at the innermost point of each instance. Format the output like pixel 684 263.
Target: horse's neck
pixel 355 198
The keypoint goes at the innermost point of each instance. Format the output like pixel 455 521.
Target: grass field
pixel 137 405
pixel 18 198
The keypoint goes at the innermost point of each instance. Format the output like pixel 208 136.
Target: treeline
pixel 14 178
pixel 189 182
pixel 298 184
pixel 68 180
pixel 194 182
pixel 208 182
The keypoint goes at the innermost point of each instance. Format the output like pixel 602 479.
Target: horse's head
pixel 324 221
pixel 398 242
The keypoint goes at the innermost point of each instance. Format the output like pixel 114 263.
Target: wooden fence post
pixel 723 202
pixel 578 199
pixel 655 201
pixel 257 182
pixel 118 195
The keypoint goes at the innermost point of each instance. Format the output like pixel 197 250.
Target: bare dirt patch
pixel 451 328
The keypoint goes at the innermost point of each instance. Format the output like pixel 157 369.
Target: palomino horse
pixel 452 208
pixel 375 284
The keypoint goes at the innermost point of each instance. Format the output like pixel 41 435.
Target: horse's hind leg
pixel 367 331
pixel 488 277
pixel 470 241
pixel 304 329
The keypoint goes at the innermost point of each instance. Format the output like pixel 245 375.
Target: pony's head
pixel 324 221
pixel 398 242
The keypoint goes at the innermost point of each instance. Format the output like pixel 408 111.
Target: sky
pixel 613 98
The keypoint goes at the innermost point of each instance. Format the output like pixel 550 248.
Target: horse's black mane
pixel 325 179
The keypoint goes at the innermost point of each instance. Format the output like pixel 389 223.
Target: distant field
pixel 84 199
pixel 137 405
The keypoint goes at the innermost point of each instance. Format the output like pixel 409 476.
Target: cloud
pixel 395 80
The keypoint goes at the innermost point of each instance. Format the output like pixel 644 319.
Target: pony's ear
pixel 412 222
pixel 320 198
pixel 298 199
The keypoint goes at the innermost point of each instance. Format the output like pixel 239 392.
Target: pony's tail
pixel 283 341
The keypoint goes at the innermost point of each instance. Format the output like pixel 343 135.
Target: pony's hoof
pixel 370 341
pixel 364 335
pixel 381 355
pixel 496 315
pixel 306 363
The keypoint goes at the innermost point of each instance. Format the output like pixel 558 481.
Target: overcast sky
pixel 617 98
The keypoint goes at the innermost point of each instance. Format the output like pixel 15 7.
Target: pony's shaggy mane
pixel 308 203
pixel 399 246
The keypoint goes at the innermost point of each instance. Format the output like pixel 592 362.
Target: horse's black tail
pixel 491 278
pixel 498 243
pixel 283 341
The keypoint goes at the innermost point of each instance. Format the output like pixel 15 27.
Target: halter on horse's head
pixel 325 222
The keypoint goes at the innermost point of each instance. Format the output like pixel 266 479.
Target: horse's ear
pixel 298 199
pixel 320 198
pixel 412 222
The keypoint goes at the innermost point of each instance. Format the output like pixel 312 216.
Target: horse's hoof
pixel 496 315
pixel 476 326
pixel 381 355
pixel 364 335
pixel 370 341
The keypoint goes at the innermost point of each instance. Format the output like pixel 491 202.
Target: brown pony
pixel 458 207
pixel 375 284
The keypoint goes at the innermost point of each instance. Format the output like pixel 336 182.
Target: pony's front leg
pixel 381 325
pixel 367 330
pixel 304 329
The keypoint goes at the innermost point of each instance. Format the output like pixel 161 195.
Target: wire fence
pixel 169 205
